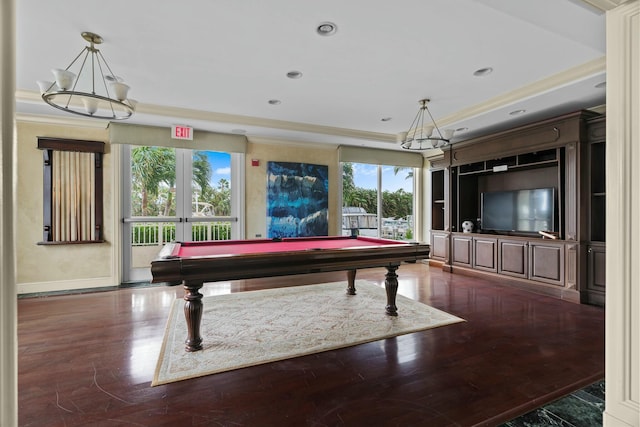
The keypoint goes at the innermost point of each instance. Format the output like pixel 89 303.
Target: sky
pixel 220 166
pixel 365 175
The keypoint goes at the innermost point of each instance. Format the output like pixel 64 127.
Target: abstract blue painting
pixel 297 199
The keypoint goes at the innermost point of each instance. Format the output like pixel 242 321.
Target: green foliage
pixel 397 204
pixel 408 234
pixel 153 173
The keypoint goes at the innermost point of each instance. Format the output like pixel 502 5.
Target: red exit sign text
pixel 181 132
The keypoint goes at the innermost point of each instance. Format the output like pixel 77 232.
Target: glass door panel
pixel 175 195
pixel 210 215
pixel 151 206
pixel 397 202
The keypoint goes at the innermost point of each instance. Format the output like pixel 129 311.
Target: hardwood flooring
pixel 88 359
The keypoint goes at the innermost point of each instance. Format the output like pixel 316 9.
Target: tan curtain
pixel 73 196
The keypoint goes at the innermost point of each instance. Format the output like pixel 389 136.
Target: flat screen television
pixel 526 211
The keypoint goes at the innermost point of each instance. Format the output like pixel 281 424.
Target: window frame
pixel 48 145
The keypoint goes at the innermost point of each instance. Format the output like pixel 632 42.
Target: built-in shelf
pixel 526 160
pixel 565 153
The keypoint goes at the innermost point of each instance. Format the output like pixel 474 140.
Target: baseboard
pixel 570 295
pixel 65 286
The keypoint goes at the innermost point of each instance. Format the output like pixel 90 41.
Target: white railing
pixel 159 233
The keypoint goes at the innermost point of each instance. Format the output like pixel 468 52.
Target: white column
pixel 8 305
pixel 622 358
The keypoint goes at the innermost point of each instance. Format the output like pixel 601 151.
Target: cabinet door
pixel 513 258
pixel 597 268
pixel 485 254
pixel 546 262
pixel 439 244
pixel 462 253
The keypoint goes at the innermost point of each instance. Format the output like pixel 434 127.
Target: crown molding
pixel 573 74
pixel 604 5
pixel 261 122
pixel 210 116
pixel 582 71
pixel 63 121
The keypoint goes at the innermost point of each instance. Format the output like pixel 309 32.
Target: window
pixel 372 191
pixel 72 191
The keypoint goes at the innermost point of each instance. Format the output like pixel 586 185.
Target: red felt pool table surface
pixel 238 247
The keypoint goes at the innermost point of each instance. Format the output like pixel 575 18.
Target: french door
pixel 176 194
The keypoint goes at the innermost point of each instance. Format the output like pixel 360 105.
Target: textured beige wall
pixel 256 180
pixel 69 263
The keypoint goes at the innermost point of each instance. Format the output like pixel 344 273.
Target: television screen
pixel 521 210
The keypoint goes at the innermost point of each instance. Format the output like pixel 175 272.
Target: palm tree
pixel 202 172
pixel 348 184
pixel 397 169
pixel 150 166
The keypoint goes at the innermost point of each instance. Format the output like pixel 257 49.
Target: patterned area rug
pixel 250 328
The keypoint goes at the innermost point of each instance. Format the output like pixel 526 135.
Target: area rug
pixel 251 328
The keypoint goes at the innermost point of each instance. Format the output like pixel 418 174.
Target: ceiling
pixel 215 64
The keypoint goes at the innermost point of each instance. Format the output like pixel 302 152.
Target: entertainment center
pixel 533 198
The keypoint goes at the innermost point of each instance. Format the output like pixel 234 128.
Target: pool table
pixel 194 263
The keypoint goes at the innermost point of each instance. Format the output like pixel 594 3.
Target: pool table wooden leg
pixel 391 286
pixel 351 282
pixel 193 314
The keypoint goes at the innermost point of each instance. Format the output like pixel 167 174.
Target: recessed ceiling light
pixel 294 74
pixel 385 119
pixel 517 112
pixel 275 102
pixel 483 72
pixel 601 85
pixel 327 29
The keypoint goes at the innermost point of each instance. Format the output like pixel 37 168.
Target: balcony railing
pixel 159 233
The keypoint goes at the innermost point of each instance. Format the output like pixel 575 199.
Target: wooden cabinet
pixel 438 200
pixel 594 291
pixel 439 246
pixel 475 251
pixel 596 260
pixel 565 153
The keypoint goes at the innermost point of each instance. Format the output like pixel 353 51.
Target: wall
pixel 66 267
pixel 54 267
pixel 256 180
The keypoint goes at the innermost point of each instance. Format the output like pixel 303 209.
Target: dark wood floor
pixel 89 360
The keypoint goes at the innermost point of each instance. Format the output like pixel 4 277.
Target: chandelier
pixel 89 92
pixel 421 136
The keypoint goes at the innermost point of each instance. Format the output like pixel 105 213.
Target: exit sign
pixel 181 132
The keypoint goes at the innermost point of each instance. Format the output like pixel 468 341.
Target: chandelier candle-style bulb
pixel 83 88
pixel 64 78
pixel 120 90
pixel 44 86
pixel 91 105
